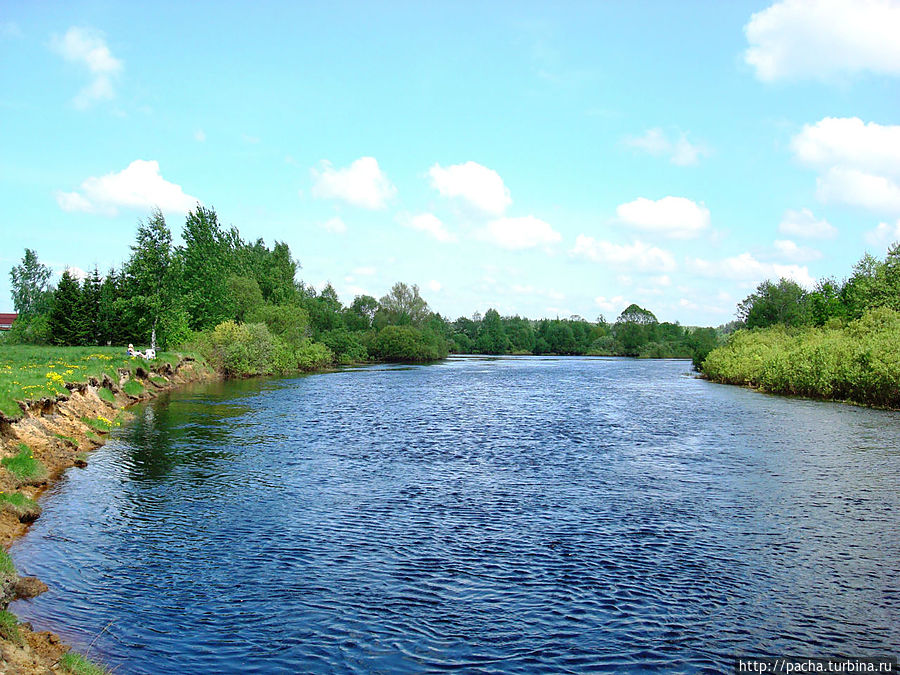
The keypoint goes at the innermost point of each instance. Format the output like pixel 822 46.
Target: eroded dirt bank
pixel 60 433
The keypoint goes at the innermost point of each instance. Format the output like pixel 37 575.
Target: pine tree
pixel 67 316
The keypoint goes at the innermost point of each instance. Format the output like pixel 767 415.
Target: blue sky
pixel 541 159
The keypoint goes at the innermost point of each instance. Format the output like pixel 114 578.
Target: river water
pixel 483 515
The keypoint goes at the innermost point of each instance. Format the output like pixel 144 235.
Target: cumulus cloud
pixel 858 162
pixel 796 39
pixel 849 142
pixel 138 186
pixel 334 225
pixel 477 185
pixel 858 188
pixel 638 255
pixel 680 150
pixel 520 233
pixel 435 286
pixel 792 252
pixel 884 235
pixel 365 271
pixel 430 224
pixel 200 136
pixel 674 217
pixel 87 48
pixel 361 184
pixel 803 223
pixel 745 267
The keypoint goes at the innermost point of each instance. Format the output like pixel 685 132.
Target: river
pixel 486 515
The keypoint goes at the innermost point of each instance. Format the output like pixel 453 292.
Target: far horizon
pixel 541 161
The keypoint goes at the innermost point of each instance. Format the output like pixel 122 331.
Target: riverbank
pixel 857 362
pixel 46 435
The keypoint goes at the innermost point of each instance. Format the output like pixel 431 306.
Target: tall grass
pixel 857 362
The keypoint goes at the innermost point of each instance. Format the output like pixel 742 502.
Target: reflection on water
pixel 487 515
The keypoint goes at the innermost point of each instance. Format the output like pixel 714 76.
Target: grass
pixel 24 466
pixel 91 436
pixel 68 439
pixel 7 569
pixel 9 627
pixel 76 664
pixel 106 395
pixel 98 423
pixel 20 505
pixel 161 381
pixel 133 388
pixel 32 373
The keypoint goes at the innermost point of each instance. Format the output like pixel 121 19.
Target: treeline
pixel 241 305
pixel 839 341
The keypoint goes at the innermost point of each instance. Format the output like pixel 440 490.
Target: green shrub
pixel 239 350
pixel 408 343
pixel 858 362
pixel 346 346
pixel 290 323
pixel 311 355
pixel 24 466
pixel 76 664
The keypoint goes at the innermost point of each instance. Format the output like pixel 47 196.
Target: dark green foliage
pixel 408 343
pixel 67 320
pixel 346 346
pixel 491 335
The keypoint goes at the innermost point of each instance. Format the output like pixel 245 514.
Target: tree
pixel 206 261
pixel 67 324
pixel 403 305
pixel 147 273
pixel 30 286
pixel 782 303
pixel 491 335
pixel 638 315
pixel 245 296
pixel 361 312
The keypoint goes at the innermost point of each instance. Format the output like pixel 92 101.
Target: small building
pixel 6 321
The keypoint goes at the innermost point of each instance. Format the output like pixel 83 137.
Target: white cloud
pixel 790 251
pixel 138 186
pixel 477 185
pixel 610 304
pixel 334 225
pixel 858 188
pixel 200 136
pixel 795 39
pixel 675 217
pixel 365 271
pixel 803 223
pixel 884 235
pixel 745 267
pixel 849 142
pixel 430 224
pixel 520 233
pixel 859 163
pixel 87 47
pixel 662 280
pixel 362 183
pixel 435 286
pixel 637 255
pixel 680 151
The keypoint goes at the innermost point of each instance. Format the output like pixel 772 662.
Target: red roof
pixel 6 320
